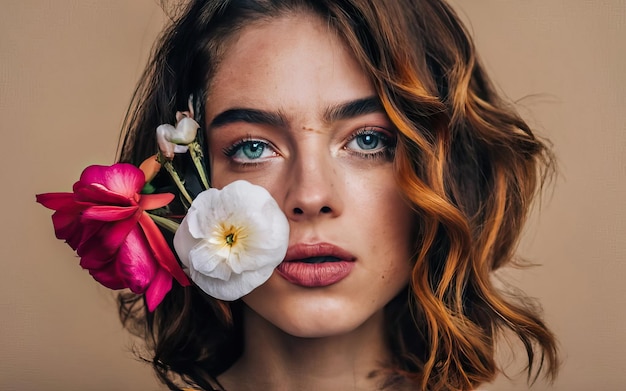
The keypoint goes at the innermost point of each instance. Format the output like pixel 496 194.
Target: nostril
pixel 298 211
pixel 325 209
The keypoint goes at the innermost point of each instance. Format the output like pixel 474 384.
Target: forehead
pixel 293 61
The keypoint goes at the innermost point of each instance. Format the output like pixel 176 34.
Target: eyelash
pixel 232 149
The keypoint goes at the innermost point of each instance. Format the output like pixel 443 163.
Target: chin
pixel 311 313
pixel 313 327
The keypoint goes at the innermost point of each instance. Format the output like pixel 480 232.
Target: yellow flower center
pixel 232 235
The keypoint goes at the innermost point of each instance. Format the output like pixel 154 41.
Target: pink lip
pixel 294 270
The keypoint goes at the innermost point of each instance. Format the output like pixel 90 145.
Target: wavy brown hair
pixel 469 165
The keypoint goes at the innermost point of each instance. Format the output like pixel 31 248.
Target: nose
pixel 313 188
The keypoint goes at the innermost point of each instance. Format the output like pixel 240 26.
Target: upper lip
pixel 300 251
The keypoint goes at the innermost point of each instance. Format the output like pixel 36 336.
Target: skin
pixel 333 178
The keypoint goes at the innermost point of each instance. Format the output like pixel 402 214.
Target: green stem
pixel 195 150
pixel 165 222
pixel 170 169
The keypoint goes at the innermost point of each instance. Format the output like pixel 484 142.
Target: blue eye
pixel 367 141
pixel 253 149
pixel 247 151
pixel 370 143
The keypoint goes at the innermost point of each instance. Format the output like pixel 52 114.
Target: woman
pixel 405 181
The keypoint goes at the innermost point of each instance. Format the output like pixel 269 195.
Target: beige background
pixel 67 70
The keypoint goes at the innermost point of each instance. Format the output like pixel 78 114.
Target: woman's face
pixel 290 109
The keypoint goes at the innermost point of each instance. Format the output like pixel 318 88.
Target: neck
pixel 273 360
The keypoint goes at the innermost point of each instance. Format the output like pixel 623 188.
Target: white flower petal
pixel 202 214
pixel 260 233
pixel 211 261
pixel 180 148
pixel 184 133
pixel 183 243
pixel 166 147
pixel 238 286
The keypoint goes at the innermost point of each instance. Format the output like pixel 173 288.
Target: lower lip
pixel 313 275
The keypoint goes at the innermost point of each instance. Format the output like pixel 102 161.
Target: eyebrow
pixel 252 116
pixel 342 111
pixel 353 109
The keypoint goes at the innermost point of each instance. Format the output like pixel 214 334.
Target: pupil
pixel 253 150
pixel 367 141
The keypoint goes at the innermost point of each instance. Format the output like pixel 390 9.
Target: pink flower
pixel 104 220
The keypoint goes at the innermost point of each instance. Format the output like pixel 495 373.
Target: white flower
pixel 175 139
pixel 232 239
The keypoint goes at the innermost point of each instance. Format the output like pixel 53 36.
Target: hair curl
pixel 469 165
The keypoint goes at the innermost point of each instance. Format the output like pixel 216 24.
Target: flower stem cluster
pixel 229 242
pixel 181 138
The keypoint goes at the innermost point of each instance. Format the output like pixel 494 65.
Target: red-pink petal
pixel 121 178
pixel 154 201
pixel 98 194
pixel 135 263
pixel 66 218
pixel 102 240
pixel 67 227
pixel 160 285
pixel 55 201
pixel 108 276
pixel 94 263
pixel 161 249
pixel 108 213
pixel 89 230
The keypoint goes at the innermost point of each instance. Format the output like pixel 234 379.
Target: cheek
pixel 400 227
pixel 387 226
pixel 388 214
pixel 271 178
